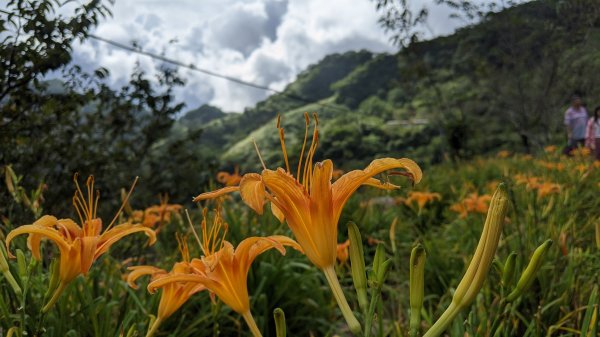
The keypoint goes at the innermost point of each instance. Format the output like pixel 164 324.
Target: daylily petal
pixel 252 190
pixel 116 233
pixel 88 250
pixel 174 296
pixel 344 187
pixel 251 247
pixel 216 194
pixel 139 271
pixel 50 233
pixel 70 261
pixel 380 184
pixel 70 228
pixel 277 213
pixel 33 240
pixel 163 281
pixel 323 226
pixel 292 200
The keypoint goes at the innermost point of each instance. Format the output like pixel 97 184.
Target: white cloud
pixel 268 41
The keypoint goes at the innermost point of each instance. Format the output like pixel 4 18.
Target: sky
pixel 262 41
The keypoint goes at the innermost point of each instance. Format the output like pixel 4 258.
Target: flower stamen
pixel 123 204
pixel 259 156
pixel 307 121
pixel 282 140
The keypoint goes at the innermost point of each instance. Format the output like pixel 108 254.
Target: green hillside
pixel 501 84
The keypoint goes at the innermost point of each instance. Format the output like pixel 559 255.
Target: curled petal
pixel 216 194
pixel 118 232
pixel 139 271
pixel 251 247
pixel 33 240
pixel 344 187
pixel 48 232
pixel 252 190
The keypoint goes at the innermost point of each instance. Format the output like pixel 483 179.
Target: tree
pixel 51 129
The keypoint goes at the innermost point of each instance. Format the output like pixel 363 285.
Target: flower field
pixel 507 245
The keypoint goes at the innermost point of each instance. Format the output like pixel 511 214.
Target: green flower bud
pixel 417 287
pixel 22 265
pixel 357 264
pixel 378 260
pixel 54 277
pixel 480 264
pixel 279 317
pixel 5 270
pixel 508 274
pixel 530 272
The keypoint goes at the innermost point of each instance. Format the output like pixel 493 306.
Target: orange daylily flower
pixel 547 188
pixel 535 183
pixel 342 251
pixel 529 182
pixel 582 168
pixel 550 149
pixel 174 294
pixel 503 154
pixel 562 243
pixel 311 204
pixel 230 179
pixel 474 203
pixel 421 198
pixel 79 245
pixel 223 269
pixel 581 152
pixel 337 173
pixel 157 215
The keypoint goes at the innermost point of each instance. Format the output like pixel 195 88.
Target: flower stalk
pixel 251 324
pixel 338 294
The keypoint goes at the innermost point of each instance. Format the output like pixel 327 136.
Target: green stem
pixel 369 319
pixel 251 324
pixel 338 294
pixel 444 321
pixel 13 283
pixel 415 322
pixel 61 287
pixel 154 328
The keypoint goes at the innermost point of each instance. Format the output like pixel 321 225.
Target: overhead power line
pixel 211 73
pixel 202 70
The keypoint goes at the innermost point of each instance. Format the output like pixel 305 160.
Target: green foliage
pixel 374 77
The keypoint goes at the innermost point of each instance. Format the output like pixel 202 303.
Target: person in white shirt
pixel 575 120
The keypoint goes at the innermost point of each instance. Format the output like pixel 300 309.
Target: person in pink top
pixel 576 118
pixel 592 139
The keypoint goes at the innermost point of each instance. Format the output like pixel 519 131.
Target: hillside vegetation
pixel 501 84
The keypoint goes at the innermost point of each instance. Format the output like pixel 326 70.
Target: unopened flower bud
pixel 508 273
pixel 357 264
pixel 280 328
pixel 4 269
pixel 480 264
pixel 530 272
pixel 417 287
